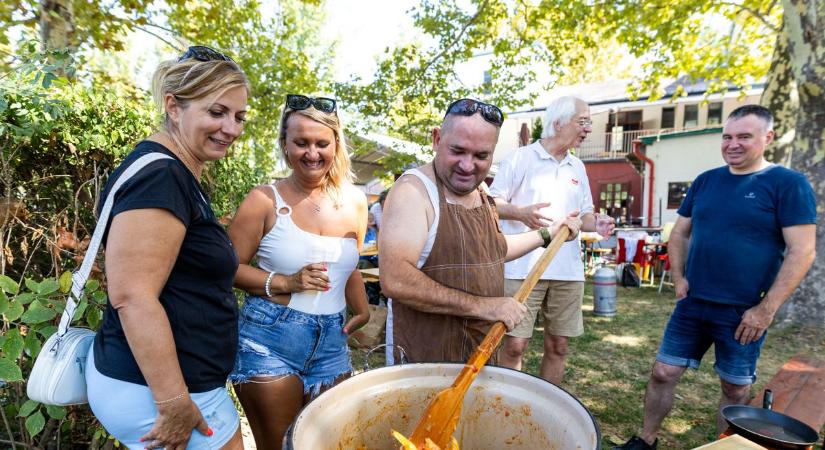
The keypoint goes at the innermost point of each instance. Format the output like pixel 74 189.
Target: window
pixel 691 116
pixel 488 82
pixel 715 113
pixel 668 117
pixel 676 192
pixel 611 197
pixel 630 120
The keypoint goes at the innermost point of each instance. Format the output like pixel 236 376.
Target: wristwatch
pixel 544 232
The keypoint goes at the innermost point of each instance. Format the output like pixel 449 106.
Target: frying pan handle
pixel 767 400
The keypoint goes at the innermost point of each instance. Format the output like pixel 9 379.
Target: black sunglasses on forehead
pixel 204 53
pixel 468 107
pixel 298 102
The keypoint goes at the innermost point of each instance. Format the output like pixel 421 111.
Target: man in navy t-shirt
pixel 744 240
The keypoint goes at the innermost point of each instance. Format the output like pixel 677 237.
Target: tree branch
pixel 770 8
pixel 133 24
pixel 3 441
pixel 170 31
pixel 456 39
pixel 8 430
pixel 47 433
pixel 756 14
pixel 157 36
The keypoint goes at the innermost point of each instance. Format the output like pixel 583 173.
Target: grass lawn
pixel 608 367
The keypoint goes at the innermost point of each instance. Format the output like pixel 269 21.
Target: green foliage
pixel 527 44
pixel 720 41
pixel 280 54
pixel 230 179
pixel 101 24
pixel 58 143
pixel 26 328
pixel 535 133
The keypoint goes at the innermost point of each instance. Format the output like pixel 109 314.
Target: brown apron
pixel 467 255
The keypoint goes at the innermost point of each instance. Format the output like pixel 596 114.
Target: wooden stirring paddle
pixel 440 419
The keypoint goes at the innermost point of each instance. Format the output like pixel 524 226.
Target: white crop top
pixel 286 249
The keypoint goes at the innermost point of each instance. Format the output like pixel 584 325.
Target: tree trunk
pixel 805 25
pixel 57 24
pixel 781 98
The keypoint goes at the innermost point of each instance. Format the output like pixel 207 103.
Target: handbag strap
pixel 80 276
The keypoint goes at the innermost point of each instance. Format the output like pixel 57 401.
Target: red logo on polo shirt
pixel 575 181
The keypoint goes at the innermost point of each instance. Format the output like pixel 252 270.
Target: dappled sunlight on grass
pixel 616 384
pixel 642 302
pixel 596 319
pixel 630 341
pixel 679 426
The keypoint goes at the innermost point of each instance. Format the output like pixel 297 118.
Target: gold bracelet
pixel 175 398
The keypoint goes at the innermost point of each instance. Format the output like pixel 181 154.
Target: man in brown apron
pixel 442 252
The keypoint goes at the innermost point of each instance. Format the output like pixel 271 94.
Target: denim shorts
pixel 695 325
pixel 275 340
pixel 128 411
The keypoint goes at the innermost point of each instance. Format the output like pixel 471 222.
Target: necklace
pixel 184 157
pixel 316 206
pixel 186 160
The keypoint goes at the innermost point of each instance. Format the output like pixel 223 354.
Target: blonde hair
pixel 340 172
pixel 191 80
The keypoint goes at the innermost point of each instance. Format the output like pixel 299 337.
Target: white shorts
pixel 127 410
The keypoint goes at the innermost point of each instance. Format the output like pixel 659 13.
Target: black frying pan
pixel 767 427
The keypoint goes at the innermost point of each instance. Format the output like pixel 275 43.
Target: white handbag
pixel 58 376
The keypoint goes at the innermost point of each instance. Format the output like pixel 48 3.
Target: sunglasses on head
pixel 468 107
pixel 204 53
pixel 298 102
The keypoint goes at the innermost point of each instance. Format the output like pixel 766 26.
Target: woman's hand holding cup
pixel 312 277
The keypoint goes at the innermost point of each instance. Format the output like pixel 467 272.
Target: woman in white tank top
pixel 306 232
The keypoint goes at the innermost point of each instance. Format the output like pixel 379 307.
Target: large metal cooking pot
pixel 504 409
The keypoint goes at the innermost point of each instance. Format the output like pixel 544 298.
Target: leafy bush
pixel 29 312
pixel 59 141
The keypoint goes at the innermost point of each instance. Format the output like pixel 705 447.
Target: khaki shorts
pixel 561 303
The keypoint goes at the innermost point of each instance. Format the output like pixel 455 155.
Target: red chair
pixel 643 259
pixel 665 272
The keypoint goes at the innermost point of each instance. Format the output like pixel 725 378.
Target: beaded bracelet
pixel 267 289
pixel 170 400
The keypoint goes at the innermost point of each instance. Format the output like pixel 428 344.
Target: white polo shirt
pixel 529 176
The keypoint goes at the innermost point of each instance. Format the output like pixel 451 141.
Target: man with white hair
pixel 536 185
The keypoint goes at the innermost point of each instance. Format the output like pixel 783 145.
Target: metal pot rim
pixel 288 436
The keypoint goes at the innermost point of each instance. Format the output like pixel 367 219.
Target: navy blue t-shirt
pixel 736 242
pixel 197 297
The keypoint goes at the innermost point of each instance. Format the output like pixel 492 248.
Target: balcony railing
pixel 615 145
